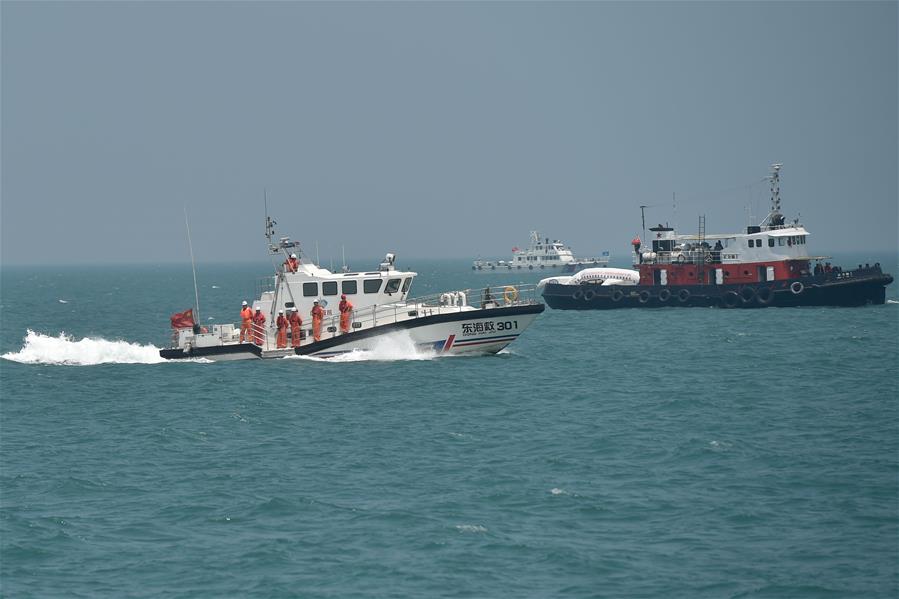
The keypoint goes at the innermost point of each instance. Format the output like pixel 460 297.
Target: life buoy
pixel 578 294
pixel 617 295
pixel 589 295
pixel 681 259
pixel 747 293
pixel 664 295
pixel 797 287
pixel 731 299
pixel 764 296
pixel 644 296
pixel 683 295
pixel 530 267
pixel 510 294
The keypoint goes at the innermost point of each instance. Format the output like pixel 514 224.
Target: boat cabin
pixel 772 250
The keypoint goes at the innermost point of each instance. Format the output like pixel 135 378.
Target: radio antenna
pixel 193 267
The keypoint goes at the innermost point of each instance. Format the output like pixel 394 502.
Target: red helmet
pixel 635 241
pixel 342 296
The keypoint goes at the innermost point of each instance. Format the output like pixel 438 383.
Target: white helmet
pixel 295 309
pixel 280 311
pixel 244 303
pixel 293 255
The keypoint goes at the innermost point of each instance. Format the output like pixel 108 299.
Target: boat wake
pixel 65 350
pixel 889 301
pixel 389 348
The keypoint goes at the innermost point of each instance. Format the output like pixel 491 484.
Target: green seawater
pixel 631 453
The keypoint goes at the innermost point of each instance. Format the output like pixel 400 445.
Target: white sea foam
pixel 388 348
pixel 892 301
pixel 65 350
pixel 471 528
pixel 62 301
pixel 557 491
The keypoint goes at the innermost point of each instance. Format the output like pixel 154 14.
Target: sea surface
pixel 632 453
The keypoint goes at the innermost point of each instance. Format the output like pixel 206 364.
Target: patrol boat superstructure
pixel 443 322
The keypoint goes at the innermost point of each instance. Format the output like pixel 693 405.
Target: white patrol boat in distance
pixel 541 254
pixel 445 322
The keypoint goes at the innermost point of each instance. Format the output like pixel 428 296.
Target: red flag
pixel 183 320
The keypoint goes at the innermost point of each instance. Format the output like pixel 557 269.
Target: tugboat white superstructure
pixel 444 322
pixel 541 254
pixel 768 265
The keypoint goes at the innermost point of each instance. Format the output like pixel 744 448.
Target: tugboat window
pixel 406 284
pixel 780 241
pixel 350 287
pixel 310 289
pixel 393 285
pixel 770 242
pixel 329 288
pixel 371 285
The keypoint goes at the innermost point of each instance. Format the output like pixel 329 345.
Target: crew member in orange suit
pixel 281 322
pixel 346 310
pixel 246 323
pixel 296 323
pixel 258 326
pixel 292 264
pixel 317 315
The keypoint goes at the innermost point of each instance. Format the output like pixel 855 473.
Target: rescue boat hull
pixel 481 331
pixel 857 290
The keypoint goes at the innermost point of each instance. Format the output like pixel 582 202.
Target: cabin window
pixel 329 288
pixel 406 284
pixel 770 242
pixel 371 285
pixel 288 305
pixel 350 287
pixel 745 273
pixel 310 289
pixel 393 285
pixel 780 241
pixel 752 243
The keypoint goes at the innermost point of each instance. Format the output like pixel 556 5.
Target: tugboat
pixel 768 265
pixel 443 323
pixel 541 254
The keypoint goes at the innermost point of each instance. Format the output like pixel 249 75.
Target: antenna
pixel 674 205
pixel 318 261
pixel 643 208
pixel 269 223
pixel 193 267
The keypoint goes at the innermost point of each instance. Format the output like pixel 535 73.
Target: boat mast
pixel 193 267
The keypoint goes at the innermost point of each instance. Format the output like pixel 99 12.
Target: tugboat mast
pixel 775 217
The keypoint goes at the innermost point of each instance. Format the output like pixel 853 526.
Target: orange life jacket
pixel 246 314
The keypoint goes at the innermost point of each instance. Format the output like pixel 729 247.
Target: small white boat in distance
pixel 541 254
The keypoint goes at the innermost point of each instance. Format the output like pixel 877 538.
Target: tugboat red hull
pixel 853 288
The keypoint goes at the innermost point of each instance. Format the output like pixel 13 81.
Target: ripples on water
pixel 689 453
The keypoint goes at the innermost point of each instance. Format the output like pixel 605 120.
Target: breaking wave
pixel 65 350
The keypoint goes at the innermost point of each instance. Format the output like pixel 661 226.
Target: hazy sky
pixel 438 129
